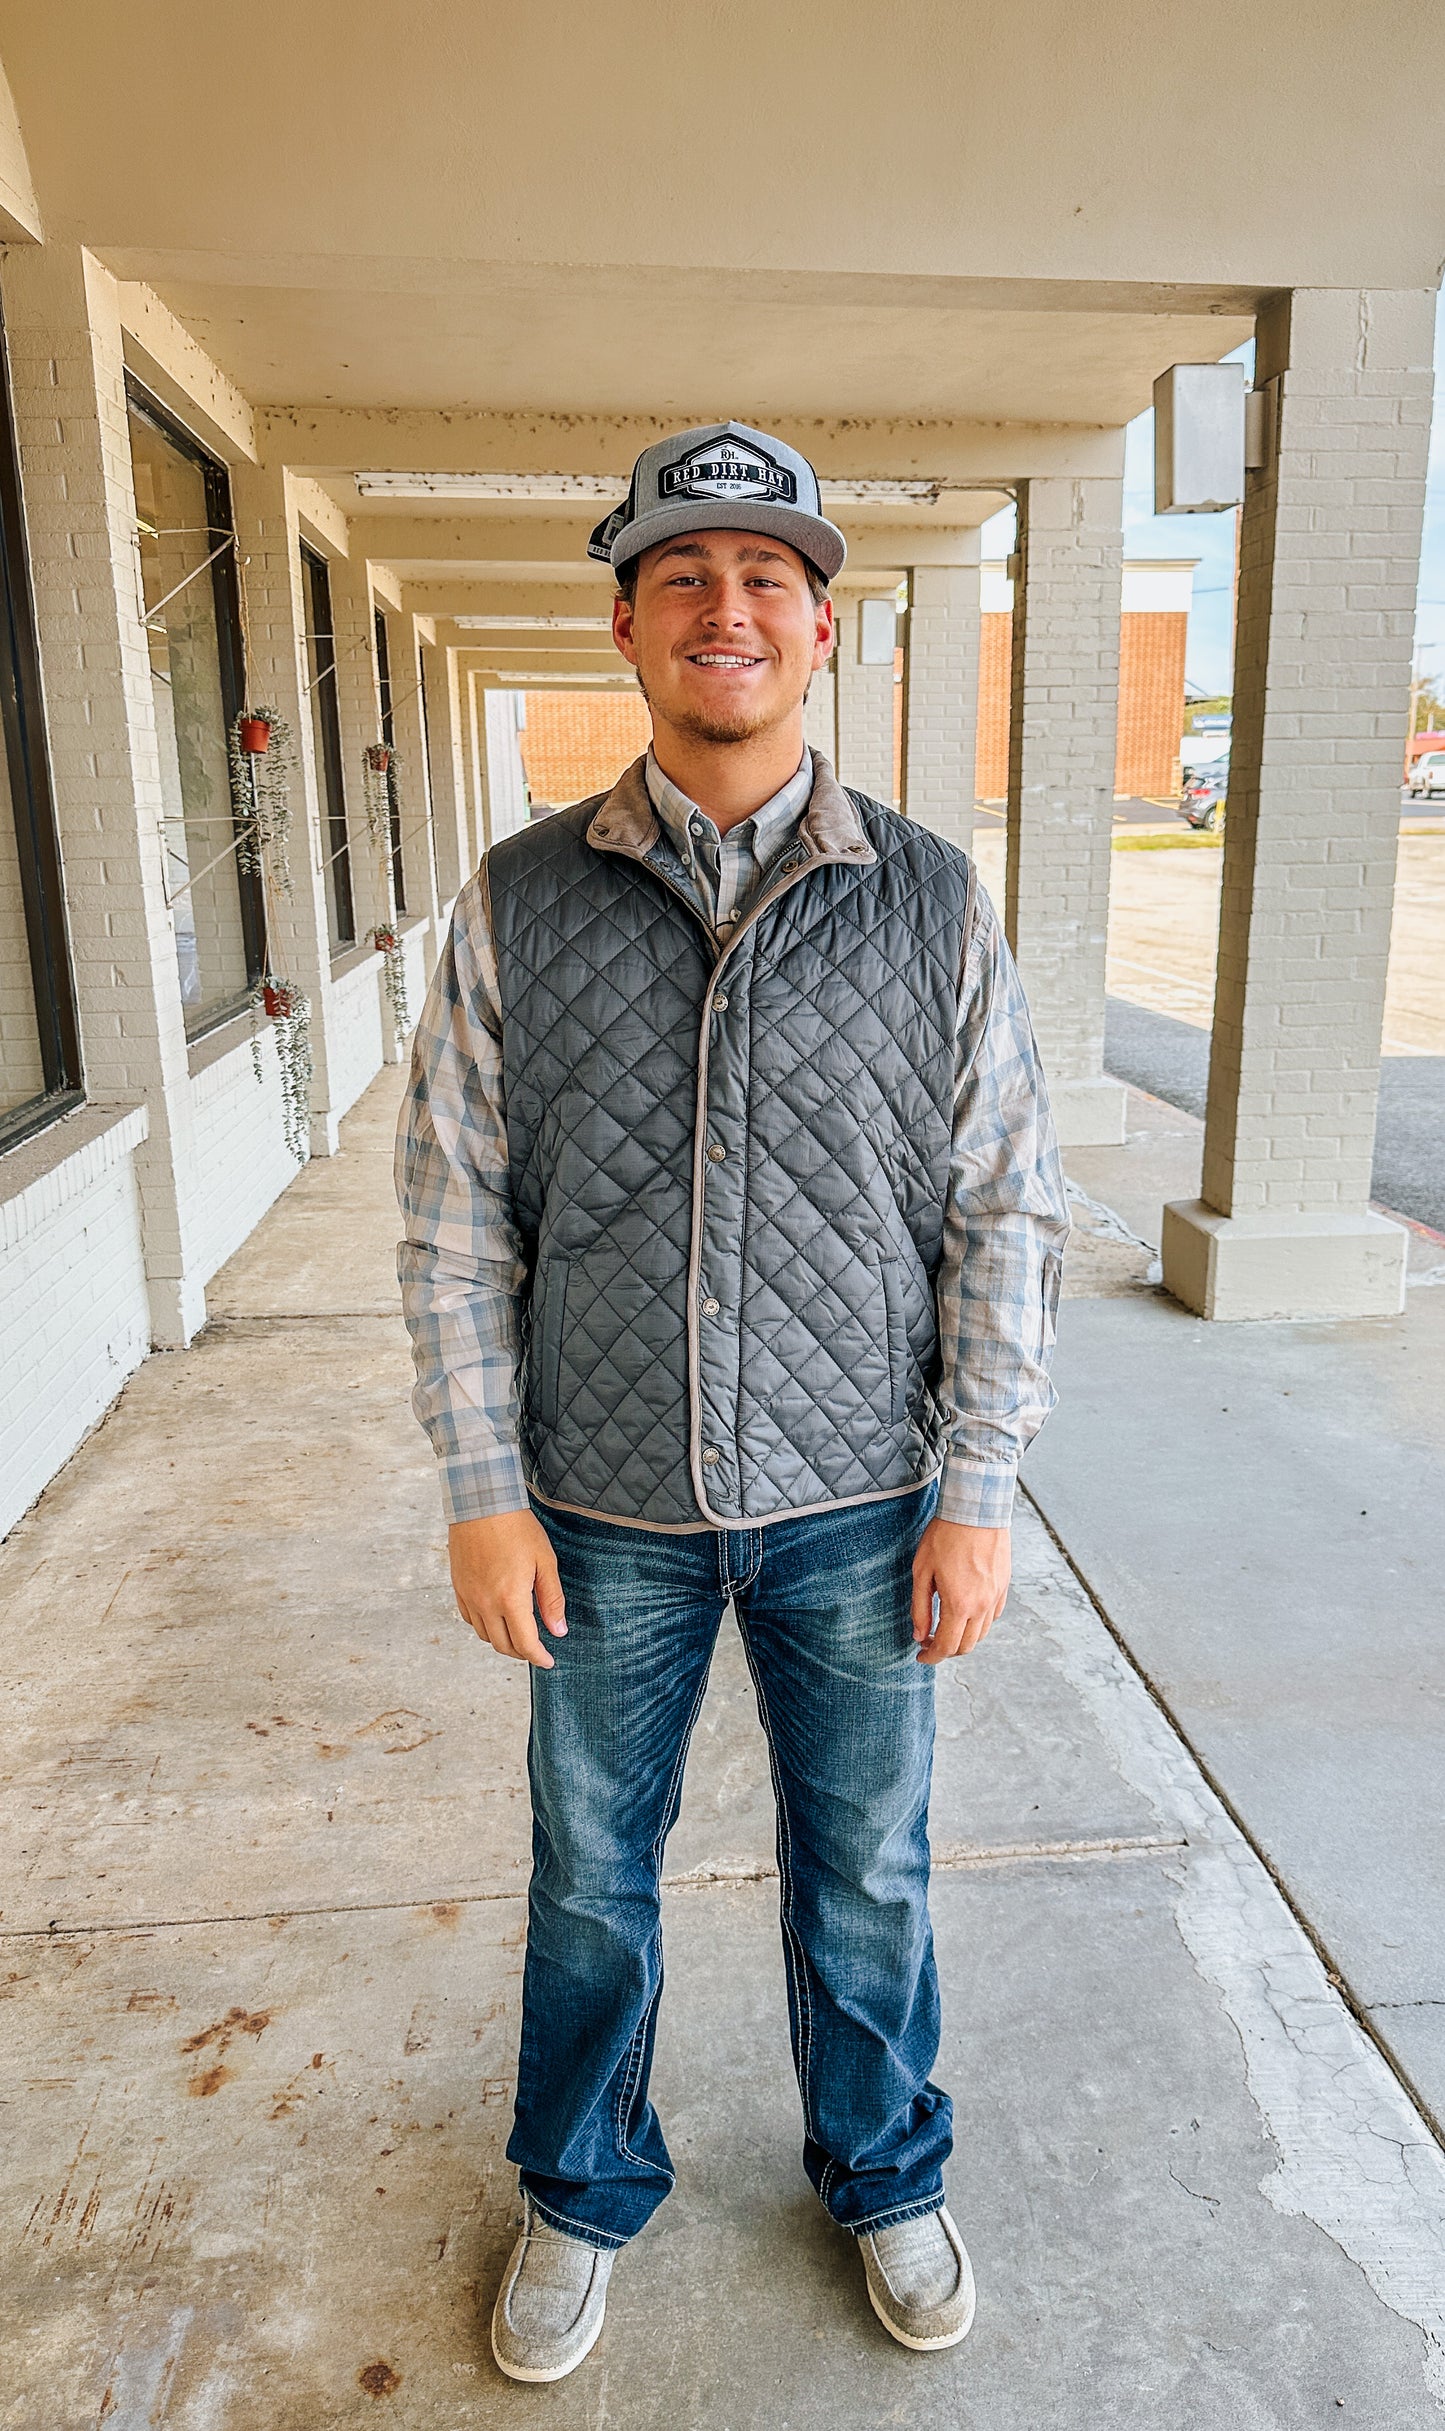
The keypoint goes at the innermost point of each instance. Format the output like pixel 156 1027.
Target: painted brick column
pixel 505 776
pixel 1329 559
pixel 68 370
pixel 1064 711
pixel 455 860
pixel 820 714
pixel 299 940
pixel 418 857
pixel 864 700
pixel 476 760
pixel 940 694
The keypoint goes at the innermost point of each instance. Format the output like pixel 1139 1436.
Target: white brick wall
pixel 74 1310
pixel 1329 558
pixel 360 1041
pixel 940 698
pixel 242 1161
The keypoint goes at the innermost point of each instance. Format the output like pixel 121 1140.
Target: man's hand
pixel 968 1570
pixel 498 1567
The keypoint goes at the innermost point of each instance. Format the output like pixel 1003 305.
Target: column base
pixel 178 1311
pixel 1088 1113
pixel 1317 1265
pixel 324 1135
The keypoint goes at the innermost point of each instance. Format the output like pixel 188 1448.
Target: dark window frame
pixel 37 827
pixel 388 736
pixel 226 590
pixel 331 774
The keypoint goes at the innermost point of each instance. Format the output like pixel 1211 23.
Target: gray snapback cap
pixel 724 477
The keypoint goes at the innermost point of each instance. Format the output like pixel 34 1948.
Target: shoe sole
pixel 528 2372
pixel 922 2346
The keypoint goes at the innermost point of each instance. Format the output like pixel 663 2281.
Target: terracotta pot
pixel 255 735
pixel 277 1001
pixel 384 940
pixel 378 757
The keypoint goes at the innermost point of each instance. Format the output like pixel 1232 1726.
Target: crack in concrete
pixel 699 1878
pixel 1355 2156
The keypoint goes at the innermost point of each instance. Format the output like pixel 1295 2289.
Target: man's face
pixel 725 633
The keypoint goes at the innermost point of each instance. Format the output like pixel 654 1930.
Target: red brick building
pixel 575 743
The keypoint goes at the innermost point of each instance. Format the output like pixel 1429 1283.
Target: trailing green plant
pixel 388 944
pixel 261 782
pixel 288 1009
pixel 380 768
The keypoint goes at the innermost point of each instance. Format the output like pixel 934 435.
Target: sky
pixel 1210 538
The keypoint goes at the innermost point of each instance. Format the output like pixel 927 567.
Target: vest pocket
pixel 548 1339
pixel 898 1354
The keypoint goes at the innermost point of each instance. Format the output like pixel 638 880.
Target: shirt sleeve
pixel 461 1262
pixel 1005 1226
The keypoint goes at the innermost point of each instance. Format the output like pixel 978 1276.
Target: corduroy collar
pixel 830 826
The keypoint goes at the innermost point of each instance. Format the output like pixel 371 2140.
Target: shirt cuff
pixel 474 1489
pixel 976 1494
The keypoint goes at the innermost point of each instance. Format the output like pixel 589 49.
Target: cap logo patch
pixel 728 469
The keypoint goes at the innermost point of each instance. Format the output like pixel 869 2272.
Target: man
pixel 733 1226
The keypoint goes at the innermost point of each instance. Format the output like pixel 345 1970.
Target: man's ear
pixel 622 629
pixel 825 634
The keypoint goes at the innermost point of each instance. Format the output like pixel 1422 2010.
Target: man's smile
pixel 721 658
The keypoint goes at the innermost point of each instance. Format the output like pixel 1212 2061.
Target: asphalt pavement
pixel 1170 1059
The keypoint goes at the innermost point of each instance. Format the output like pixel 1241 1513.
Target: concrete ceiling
pixel 937 240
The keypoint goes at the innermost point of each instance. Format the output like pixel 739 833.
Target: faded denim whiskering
pixel 823 1605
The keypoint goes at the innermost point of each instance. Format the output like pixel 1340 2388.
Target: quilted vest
pixel 729 1164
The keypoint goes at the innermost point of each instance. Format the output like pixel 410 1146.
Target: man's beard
pixel 716 726
pixel 719 727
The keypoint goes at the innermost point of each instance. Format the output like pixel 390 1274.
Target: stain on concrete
pixel 379 2379
pixel 399 1733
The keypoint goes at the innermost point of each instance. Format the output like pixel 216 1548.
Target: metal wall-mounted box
pixel 1199 438
pixel 877 632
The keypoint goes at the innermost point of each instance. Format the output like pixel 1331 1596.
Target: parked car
pixel 1427 777
pixel 1205 789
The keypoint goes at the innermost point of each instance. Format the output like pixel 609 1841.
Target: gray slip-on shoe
pixel 549 2308
pixel 920 2281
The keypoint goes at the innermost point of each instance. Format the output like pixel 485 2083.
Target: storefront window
pixel 39 1042
pixel 188 574
pixel 326 734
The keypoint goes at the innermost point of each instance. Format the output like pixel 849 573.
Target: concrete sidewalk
pixel 262 1931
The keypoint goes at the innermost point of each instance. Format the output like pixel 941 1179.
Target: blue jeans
pixel 823 1606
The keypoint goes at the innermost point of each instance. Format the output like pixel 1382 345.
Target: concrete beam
pixel 388 440
pixel 162 353
pixel 522 663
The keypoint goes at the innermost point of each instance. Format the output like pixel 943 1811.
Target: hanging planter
pixel 388 944
pixel 288 1009
pixel 261 774
pixel 380 764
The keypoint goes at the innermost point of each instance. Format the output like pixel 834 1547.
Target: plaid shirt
pixel 462 1265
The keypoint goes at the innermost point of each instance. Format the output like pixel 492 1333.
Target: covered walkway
pixel 265 1859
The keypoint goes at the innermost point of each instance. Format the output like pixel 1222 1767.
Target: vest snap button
pixel 716 1152
pixel 710 1307
pixel 719 1003
pixel 710 1455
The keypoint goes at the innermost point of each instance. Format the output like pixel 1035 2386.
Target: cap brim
pixel 812 536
